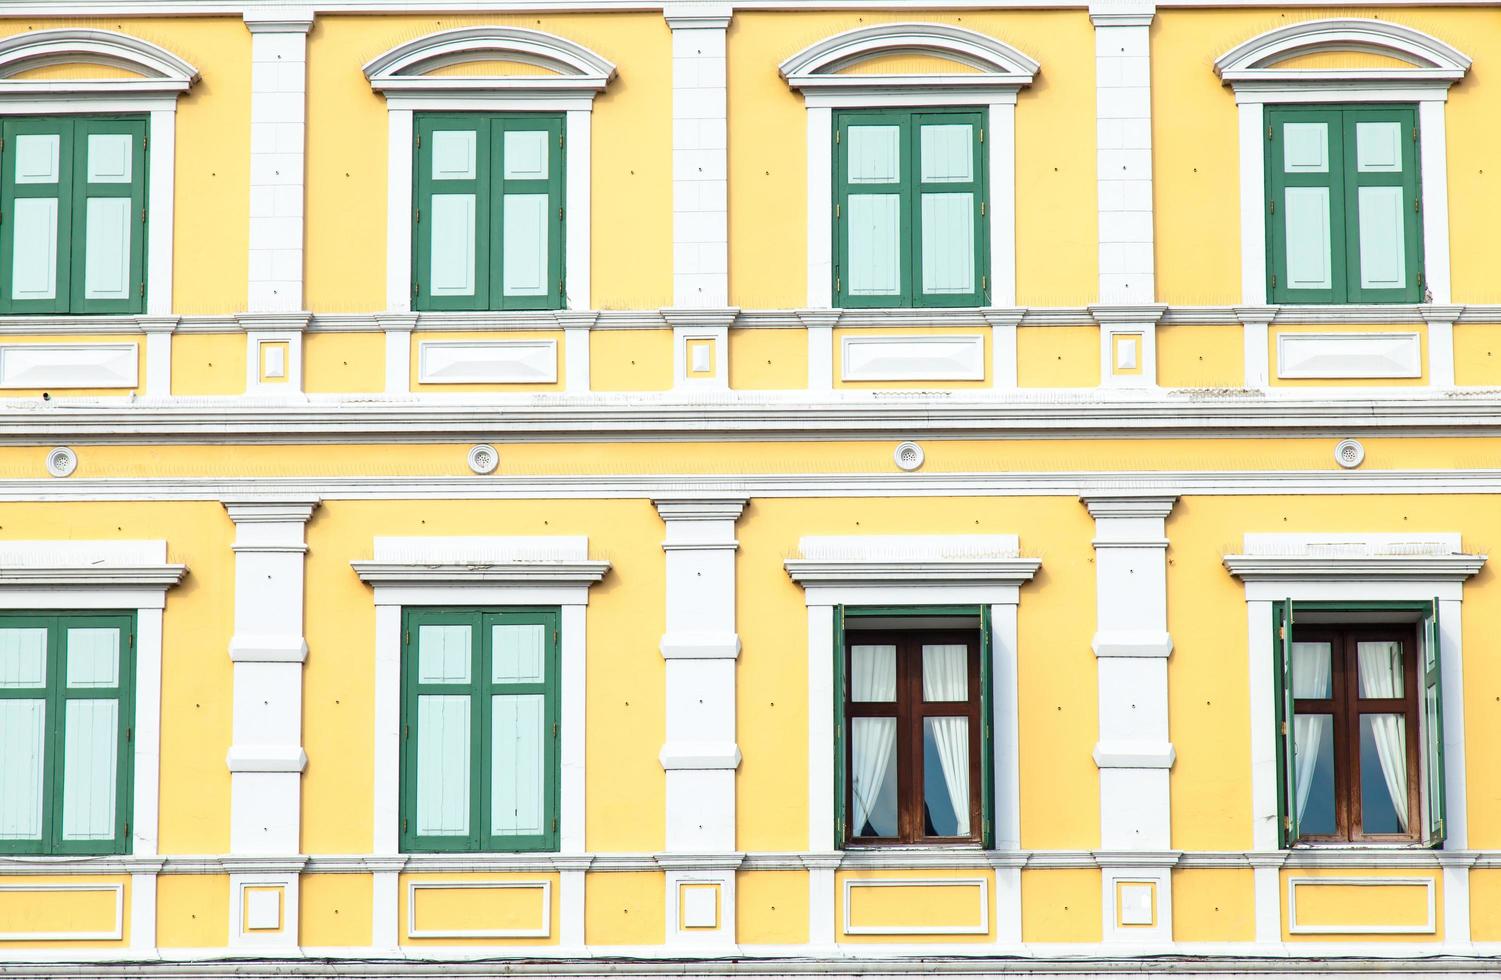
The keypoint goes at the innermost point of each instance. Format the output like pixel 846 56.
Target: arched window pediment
pixel 1419 57
pixel 567 67
pixel 981 62
pixel 152 69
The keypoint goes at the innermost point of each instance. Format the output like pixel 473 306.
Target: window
pixel 1366 736
pixel 66 718
pixel 1343 222
pixel 488 226
pixel 916 763
pixel 479 746
pixel 73 214
pixel 909 208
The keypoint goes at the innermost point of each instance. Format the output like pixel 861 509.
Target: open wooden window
pixel 1361 726
pixel 914 730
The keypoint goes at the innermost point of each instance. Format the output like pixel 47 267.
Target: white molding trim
pixel 578 76
pixel 982 885
pixel 1296 929
pixel 1000 72
pixel 1258 57
pixel 107 935
pixel 541 932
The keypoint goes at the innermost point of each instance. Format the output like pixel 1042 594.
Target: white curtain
pixel 945 677
pixel 872 740
pixel 1381 677
pixel 1311 680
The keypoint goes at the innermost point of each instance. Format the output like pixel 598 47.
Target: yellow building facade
pixel 791 486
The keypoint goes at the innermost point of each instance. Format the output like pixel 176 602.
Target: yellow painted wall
pixel 1277 329
pixel 1200 357
pixel 1214 905
pixel 192 911
pixel 335 909
pixel 1057 357
pixel 768 359
pixel 516 906
pixel 1485 904
pixel 43 909
pixel 935 899
pixel 1061 905
pixel 208 363
pixel 842 332
pixel 1055 151
pixel 625 908
pixel 631 143
pixel 343 362
pixel 55 341
pixel 771 907
pixel 1477 354
pixel 1363 905
pixel 630 360
pixel 418 339
pixel 626 682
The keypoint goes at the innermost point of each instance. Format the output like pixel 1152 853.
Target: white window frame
pixel 1251 70
pixel 163 77
pixel 917 570
pixel 578 76
pixel 1000 73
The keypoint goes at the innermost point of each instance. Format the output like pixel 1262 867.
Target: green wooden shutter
pixel 518 775
pixel 950 247
pixel 108 232
pixel 28 703
pixel 873 209
pixel 1306 224
pixel 36 203
pixel 1382 223
pixel 441 745
pixel 1433 727
pixel 528 212
pixel 987 732
pixel 450 230
pixel 841 762
pixel 1287 794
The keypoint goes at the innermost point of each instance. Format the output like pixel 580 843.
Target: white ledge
pixel 700 646
pixel 981 571
pixel 1365 568
pixel 537 573
pixel 700 755
pixel 995 65
pixel 1132 643
pixel 1129 754
pixel 404 68
pixel 266 758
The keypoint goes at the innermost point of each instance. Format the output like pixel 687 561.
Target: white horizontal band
pixel 1128 754
pixel 263 648
pixel 1132 643
pixel 700 755
pixel 266 758
pixel 700 646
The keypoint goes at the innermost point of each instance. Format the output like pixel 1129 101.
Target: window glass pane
pixel 873 672
pixel 945 672
pixel 524 262
pixel 93 657
pixel 516 764
pixel 443 654
pixel 23 726
pixel 947 154
pixel 525 155
pixel 1383 258
pixel 1378 147
pixel 1305 148
pixel 37 158
pixel 442 764
pixel 33 271
pixel 1311 676
pixel 451 269
pixel 874 154
pixel 873 776
pixel 109 158
pixel 1308 250
pixel 453 154
pixel 92 742
pixel 1380 669
pixel 23 658
pixel 945 747
pixel 1313 751
pixel 875 250
pixel 517 652
pixel 106 262
pixel 1383 774
pixel 948 243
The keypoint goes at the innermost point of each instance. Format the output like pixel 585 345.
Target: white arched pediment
pixel 1421 58
pixel 154 69
pixel 569 67
pixel 983 64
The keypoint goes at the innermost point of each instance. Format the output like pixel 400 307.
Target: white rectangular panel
pixel 525 153
pixel 948 243
pixel 1305 148
pixel 487 362
pixel 923 357
pixel 524 248
pixel 1383 255
pixel 107 250
pixel 1349 355
pixel 451 263
pixel 33 267
pixel 37 158
pixel 516 764
pixel 109 158
pixel 68 365
pixel 875 250
pixel 1309 258
pixel 453 154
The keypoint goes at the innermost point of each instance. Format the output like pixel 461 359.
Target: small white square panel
pixel 526 155
pixel 700 906
pixel 109 158
pixel 699 358
pixel 1136 903
pixel 275 360
pixel 262 908
pixel 1378 147
pixel 1305 148
pixel 37 157
pixel 453 154
pixel 1125 354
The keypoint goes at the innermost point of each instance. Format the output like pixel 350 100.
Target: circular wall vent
pixel 62 461
pixel 483 459
pixel 1349 453
pixel 908 456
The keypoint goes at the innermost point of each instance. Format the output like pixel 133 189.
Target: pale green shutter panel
pixel 35 215
pixel 451 223
pixel 91 722
pixel 23 730
pixel 444 676
pixel 1433 727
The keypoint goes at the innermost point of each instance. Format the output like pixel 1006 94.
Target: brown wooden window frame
pixel 1346 707
pixel 909 709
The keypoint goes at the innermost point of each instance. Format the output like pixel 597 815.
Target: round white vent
pixel 908 456
pixel 62 461
pixel 1349 453
pixel 483 459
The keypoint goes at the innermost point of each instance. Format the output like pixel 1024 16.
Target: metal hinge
pixel 836 136
pixel 982 209
pixel 982 135
pixel 1420 280
pixel 837 284
pixel 1417 205
pixel 560 139
pixel 1274 280
pixel 1288 823
pixel 129 734
pixel 127 828
pixel 1414 134
pixel 1269 131
pixel 419 141
pixel 416 286
pixel 145 142
pixel 1284 727
pixel 837 211
pixel 554 729
pixel 984 281
pixel 2 142
pixel 1281 630
pixel 419 216
pixel 406 731
pixel 555 824
pixel 1271 206
pixel 406 638
pixel 403 823
pixel 560 214
pixel 142 287
pixel 143 216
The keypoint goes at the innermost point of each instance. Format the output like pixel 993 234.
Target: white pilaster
pixel 1123 109
pixel 1440 321
pixel 1003 324
pixel 821 209
pixel 700 347
pixel 1128 345
pixel 273 352
pixel 158 331
pixel 266 757
pixel 1134 753
pixel 398 330
pixel 700 141
pixel 576 327
pixel 278 124
pixel 1253 284
pixel 1434 167
pixel 700 754
pixel 1255 335
pixel 820 327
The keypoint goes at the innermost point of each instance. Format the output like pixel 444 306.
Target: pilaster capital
pixel 697 15
pixel 270 510
pixel 1109 505
pixel 701 508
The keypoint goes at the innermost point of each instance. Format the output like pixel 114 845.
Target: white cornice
pixel 997 67
pixel 78 565
pixel 540 573
pixel 1363 568
pixel 93 577
pixel 978 571
pixel 1129 505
